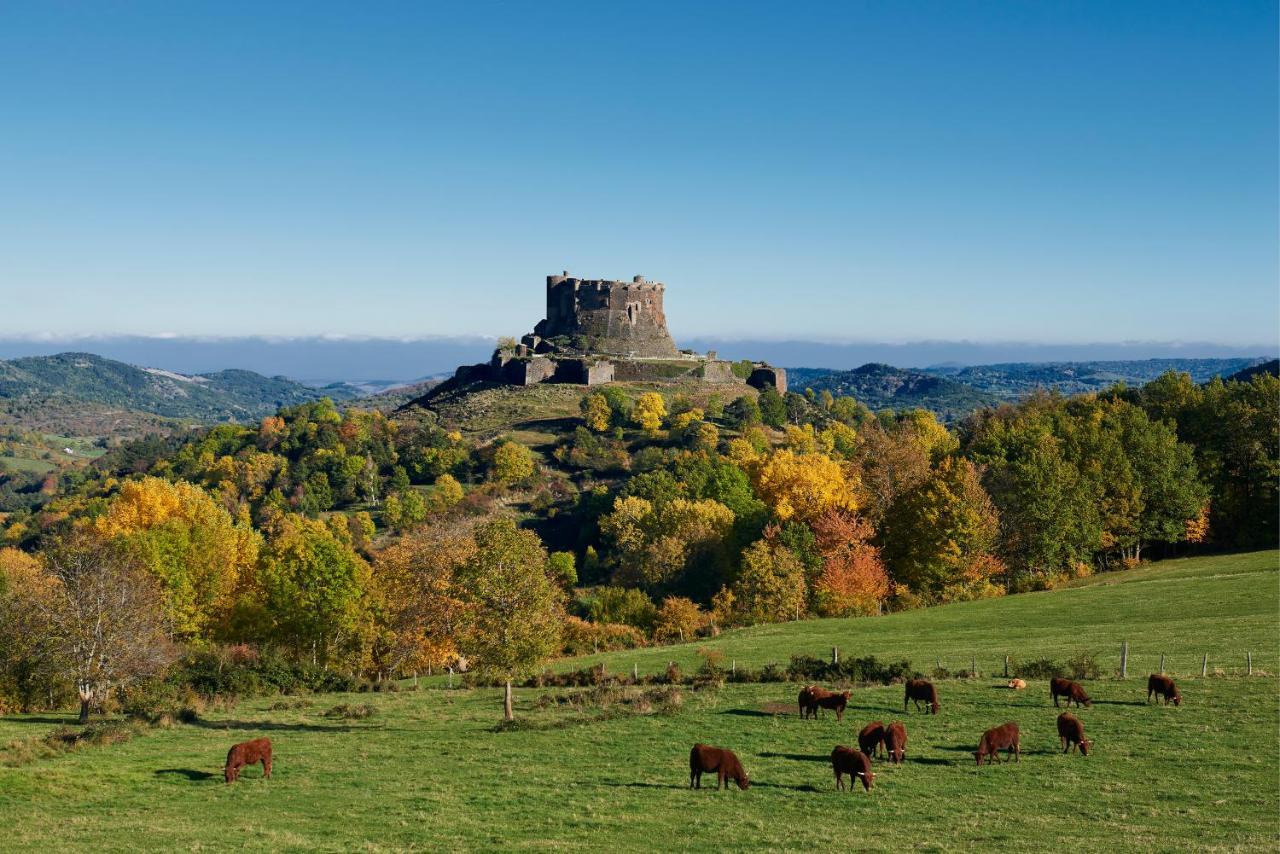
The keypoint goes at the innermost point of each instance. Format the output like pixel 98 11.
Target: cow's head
pixel 868 779
pixel 1177 698
pixel 1085 744
pixel 229 774
pixel 1088 704
pixel 744 781
pixel 934 706
pixel 977 754
pixel 845 694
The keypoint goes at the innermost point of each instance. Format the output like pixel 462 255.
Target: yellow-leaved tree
pixel 182 536
pixel 649 411
pixel 801 486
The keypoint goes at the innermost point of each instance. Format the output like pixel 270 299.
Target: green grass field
pixel 427 770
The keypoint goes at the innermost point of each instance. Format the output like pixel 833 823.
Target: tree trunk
pixel 86 697
pixel 506 703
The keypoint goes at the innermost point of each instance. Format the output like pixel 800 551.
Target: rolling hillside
pixel 607 769
pixel 84 394
pixel 885 387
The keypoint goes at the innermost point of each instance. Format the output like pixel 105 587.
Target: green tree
pixel 596 412
pixel 773 408
pixel 512 462
pixel 770 586
pixel 515 611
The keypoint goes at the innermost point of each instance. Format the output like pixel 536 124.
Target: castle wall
pixel 609 317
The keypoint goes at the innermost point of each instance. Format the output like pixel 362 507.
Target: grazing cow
pixel 846 760
pixel 1017 684
pixel 920 689
pixel 1071 733
pixel 1163 686
pixel 895 741
pixel 806 700
pixel 871 739
pixel 832 700
pixel 1073 691
pixel 248 753
pixel 1004 737
pixel 724 762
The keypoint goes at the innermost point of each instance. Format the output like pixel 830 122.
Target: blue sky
pixel 1046 172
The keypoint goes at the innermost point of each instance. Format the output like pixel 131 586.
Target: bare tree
pixel 105 615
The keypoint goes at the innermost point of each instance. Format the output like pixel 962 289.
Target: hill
pixel 597 768
pixel 885 387
pixel 83 394
pixel 1272 367
pixel 1012 380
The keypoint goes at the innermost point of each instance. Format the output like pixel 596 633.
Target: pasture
pixel 429 770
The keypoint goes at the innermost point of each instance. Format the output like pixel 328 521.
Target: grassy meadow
pixel 429 770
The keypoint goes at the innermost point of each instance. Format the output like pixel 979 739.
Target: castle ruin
pixel 601 330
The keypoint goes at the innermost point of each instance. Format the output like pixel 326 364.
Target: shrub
pixel 350 711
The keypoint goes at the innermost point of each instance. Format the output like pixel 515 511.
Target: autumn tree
pixel 770 586
pixel 421 607
pixel 649 411
pixel 801 486
pixel 596 412
pixel 853 579
pixel 188 542
pixel 514 607
pixel 105 615
pixel 512 462
pixel 313 585
pixel 29 665
pixel 660 544
pixel 678 619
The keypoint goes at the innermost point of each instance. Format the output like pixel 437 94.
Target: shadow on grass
pixel 753 713
pixel 70 720
pixel 650 785
pixel 795 757
pixel 190 773
pixel 929 760
pixel 802 788
pixel 273 726
pixel 1118 703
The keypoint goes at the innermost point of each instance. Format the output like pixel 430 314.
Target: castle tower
pixel 608 317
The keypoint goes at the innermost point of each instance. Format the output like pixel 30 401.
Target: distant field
pixel 428 771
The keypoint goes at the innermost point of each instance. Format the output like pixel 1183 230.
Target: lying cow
pixel 704 758
pixel 1071 734
pixel 1004 737
pixel 1017 684
pixel 871 739
pixel 920 689
pixel 248 753
pixel 1073 691
pixel 846 760
pixel 895 741
pixel 1164 687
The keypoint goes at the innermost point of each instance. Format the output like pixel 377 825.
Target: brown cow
pixel 724 762
pixel 806 700
pixel 895 741
pixel 846 760
pixel 832 700
pixel 1073 691
pixel 871 739
pixel 1071 733
pixel 1017 684
pixel 1004 737
pixel 1164 687
pixel 920 689
pixel 248 753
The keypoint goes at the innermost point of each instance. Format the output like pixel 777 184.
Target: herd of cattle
pixel 877 739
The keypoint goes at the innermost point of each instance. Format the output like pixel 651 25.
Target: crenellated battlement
pixel 610 316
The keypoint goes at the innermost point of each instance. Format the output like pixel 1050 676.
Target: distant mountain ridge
pixel 954 390
pixel 53 392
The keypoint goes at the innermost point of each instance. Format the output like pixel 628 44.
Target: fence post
pixel 635 671
pixel 1162 664
pixel 1248 657
pixel 1204 665
pixel 1006 667
pixel 415 679
pixel 1124 660
pixel 450 677
pixel 733 667
pixel 835 655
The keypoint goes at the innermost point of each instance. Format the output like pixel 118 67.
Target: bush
pixel 807 668
pixel 350 711
pixel 580 637
pixel 1039 668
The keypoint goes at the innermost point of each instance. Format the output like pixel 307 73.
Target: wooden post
pixel 1204 665
pixel 1162 664
pixel 733 667
pixel 450 677
pixel 835 655
pixel 1006 667
pixel 635 671
pixel 415 679
pixel 1248 659
pixel 1124 660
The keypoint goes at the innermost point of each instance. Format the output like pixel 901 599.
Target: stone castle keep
pixel 600 330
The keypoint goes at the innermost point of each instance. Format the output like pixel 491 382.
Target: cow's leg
pixel 266 767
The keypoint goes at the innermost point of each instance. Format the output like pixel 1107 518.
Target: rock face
pixel 607 317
